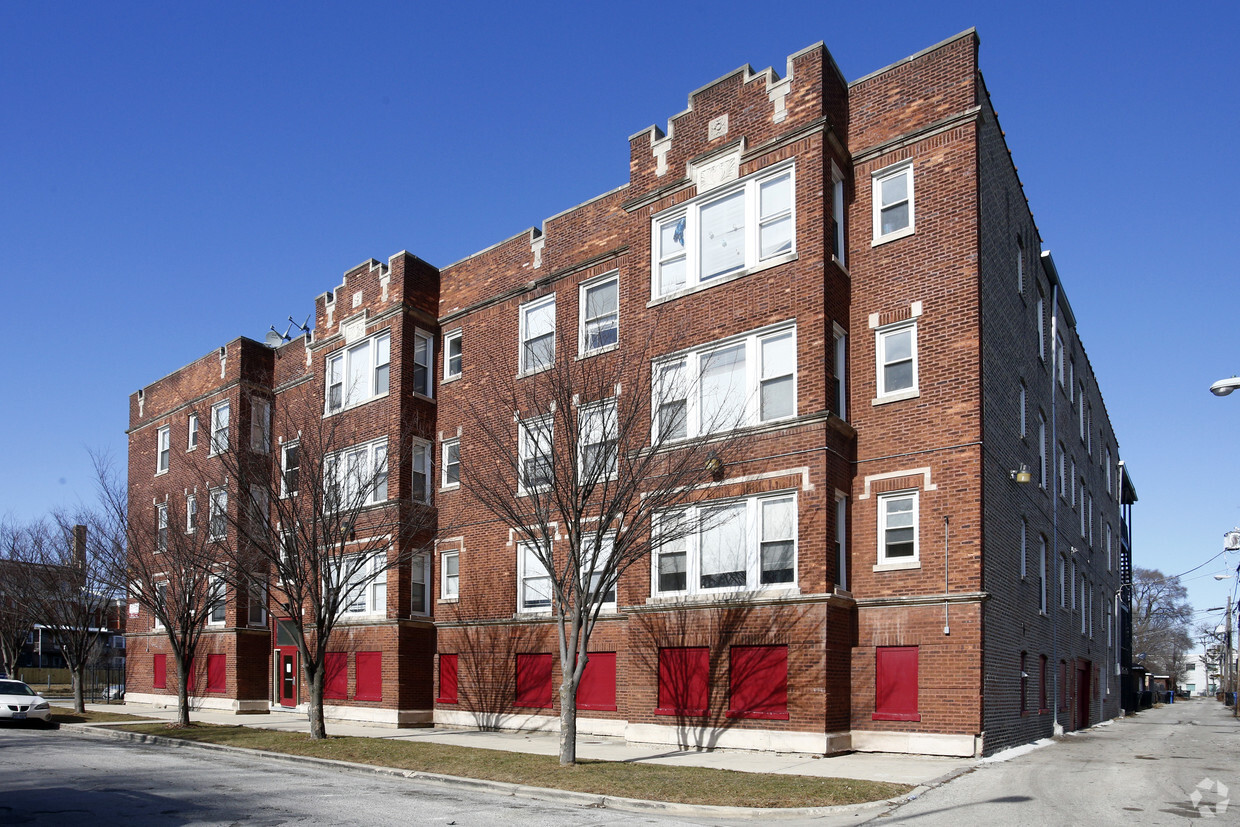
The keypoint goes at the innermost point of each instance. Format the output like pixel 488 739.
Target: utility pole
pixel 1230 668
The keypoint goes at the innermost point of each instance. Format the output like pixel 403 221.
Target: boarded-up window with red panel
pixel 336 676
pixel 896 684
pixel 217 673
pixel 369 669
pixel 447 679
pixel 159 668
pixel 534 681
pixel 597 689
pixel 759 682
pixel 684 681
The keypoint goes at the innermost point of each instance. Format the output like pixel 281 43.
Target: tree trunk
pixel 314 681
pixel 182 694
pixel 79 701
pixel 568 723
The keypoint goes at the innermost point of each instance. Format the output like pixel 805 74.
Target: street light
pixel 1225 386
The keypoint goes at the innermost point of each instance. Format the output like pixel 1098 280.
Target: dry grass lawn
pixel 66 715
pixel 690 785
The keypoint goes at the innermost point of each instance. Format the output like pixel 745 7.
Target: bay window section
pixel 359 372
pixel 741 382
pixel 738 228
pixel 361 581
pixel 421 468
pixel 356 476
pixel 423 364
pixel 735 545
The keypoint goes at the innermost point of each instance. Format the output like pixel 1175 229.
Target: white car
pixel 18 702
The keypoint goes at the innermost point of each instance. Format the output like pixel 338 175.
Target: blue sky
pixel 175 175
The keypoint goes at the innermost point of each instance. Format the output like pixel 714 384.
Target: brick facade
pixel 892 641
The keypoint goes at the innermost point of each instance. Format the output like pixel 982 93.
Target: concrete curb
pixel 632 805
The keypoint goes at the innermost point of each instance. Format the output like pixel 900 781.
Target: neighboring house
pixel 937 472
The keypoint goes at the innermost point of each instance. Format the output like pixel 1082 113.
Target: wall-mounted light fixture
pixel 1022 476
pixel 714 465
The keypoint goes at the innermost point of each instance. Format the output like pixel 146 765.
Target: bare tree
pixel 16 621
pixel 63 584
pixel 592 467
pixel 1161 621
pixel 318 526
pixel 165 562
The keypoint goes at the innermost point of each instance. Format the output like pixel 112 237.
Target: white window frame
pixel 217 600
pixel 191 513
pixel 527 554
pixel 525 351
pixel 294 446
pixel 886 562
pixel 370 600
pixel 256 596
pixel 260 425
pixel 1061 358
pixel 880 177
pixel 839 214
pixel 338 377
pixel 372 470
pixel 881 334
pixel 449 583
pixel 840 342
pixel 530 449
pixel 163 450
pixel 427 342
pixel 422 454
pixel 1041 311
pixel 161 527
pixel 451 340
pixel 597 425
pixel 420 574
pixel 752 531
pixel 599 322
pixel 221 422
pixel 191 439
pixel 1023 423
pixel 217 506
pixel 841 540
pixel 161 600
pixel 687 218
pixel 447 449
pixel 588 555
pixel 688 386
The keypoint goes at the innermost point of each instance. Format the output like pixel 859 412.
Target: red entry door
pixel 286 660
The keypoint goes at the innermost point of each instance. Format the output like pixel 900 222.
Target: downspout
pixel 947 629
pixel 1056 726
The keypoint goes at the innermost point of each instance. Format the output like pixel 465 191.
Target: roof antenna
pixel 304 327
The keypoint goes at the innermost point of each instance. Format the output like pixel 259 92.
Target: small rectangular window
pixel 533 581
pixel 897 360
pixel 537 468
pixel 421 471
pixel 217 593
pixel 452 355
pixel 260 426
pixel 217 517
pixel 450 575
pixel 191 513
pixel 897 527
pixel 600 314
pixel 161 527
pixel 893 203
pixel 192 442
pixel 419 575
pixel 256 609
pixel 423 361
pixel 219 427
pixel 163 439
pixel 596 427
pixel 537 335
pixel 290 468
pixel 451 451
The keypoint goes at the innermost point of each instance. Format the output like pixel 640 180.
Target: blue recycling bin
pixel 1170 696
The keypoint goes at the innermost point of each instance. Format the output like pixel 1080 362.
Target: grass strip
pixel 688 785
pixel 62 715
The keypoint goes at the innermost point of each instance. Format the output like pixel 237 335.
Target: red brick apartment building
pixel 937 464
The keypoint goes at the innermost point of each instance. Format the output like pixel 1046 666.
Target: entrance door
pixel 1082 695
pixel 287 659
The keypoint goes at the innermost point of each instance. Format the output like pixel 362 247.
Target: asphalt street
pixel 1140 770
pixel 59 778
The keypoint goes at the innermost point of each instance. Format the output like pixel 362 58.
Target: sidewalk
pixel 915 770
